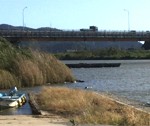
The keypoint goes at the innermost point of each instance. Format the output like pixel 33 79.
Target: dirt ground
pixel 29 120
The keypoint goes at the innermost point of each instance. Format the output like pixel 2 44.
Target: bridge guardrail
pixel 77 34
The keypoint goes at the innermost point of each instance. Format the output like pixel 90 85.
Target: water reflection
pixel 23 110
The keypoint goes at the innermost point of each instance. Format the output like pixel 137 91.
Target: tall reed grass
pixel 23 68
pixel 8 79
pixel 88 107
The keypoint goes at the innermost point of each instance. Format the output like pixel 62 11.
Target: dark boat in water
pixel 93 65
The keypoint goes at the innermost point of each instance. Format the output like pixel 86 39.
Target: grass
pixel 24 67
pixel 106 53
pixel 87 107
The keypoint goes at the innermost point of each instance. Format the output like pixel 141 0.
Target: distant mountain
pixel 6 26
pixel 48 29
pixel 10 27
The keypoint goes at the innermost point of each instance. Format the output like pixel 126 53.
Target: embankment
pixel 86 107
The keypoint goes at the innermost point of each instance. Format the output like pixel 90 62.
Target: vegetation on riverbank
pixel 110 53
pixel 22 68
pixel 87 107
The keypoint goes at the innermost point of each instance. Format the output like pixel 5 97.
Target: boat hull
pixel 12 101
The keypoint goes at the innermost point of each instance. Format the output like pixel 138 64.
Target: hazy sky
pixel 76 14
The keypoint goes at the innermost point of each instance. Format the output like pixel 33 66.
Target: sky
pixel 76 14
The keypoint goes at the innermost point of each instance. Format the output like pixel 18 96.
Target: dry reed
pixel 24 68
pixel 8 80
pixel 89 107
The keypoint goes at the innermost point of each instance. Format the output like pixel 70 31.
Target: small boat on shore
pixel 12 99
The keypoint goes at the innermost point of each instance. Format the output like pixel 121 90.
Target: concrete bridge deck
pixel 20 35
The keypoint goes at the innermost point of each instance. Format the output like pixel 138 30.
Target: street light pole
pixel 23 17
pixel 128 19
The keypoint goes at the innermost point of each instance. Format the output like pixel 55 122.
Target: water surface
pixel 130 80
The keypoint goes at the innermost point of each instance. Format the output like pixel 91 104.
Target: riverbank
pixel 105 54
pixel 124 101
pixel 57 120
pixel 87 107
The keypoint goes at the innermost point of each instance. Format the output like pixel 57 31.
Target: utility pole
pixel 128 18
pixel 23 17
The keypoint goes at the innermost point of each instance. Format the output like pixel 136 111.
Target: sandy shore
pixel 29 120
pixel 26 120
pixel 137 105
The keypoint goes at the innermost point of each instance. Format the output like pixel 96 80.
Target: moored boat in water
pixel 12 99
pixel 93 65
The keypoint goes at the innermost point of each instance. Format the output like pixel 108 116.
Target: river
pixel 131 80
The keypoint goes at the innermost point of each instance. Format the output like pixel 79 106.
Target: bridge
pixel 35 35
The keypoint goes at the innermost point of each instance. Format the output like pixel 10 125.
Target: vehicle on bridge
pixel 91 28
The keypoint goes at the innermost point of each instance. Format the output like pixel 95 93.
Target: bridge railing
pixel 101 34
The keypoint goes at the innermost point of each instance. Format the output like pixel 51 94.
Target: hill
pixel 10 27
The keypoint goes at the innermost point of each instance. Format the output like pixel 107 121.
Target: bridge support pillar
pixel 146 45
